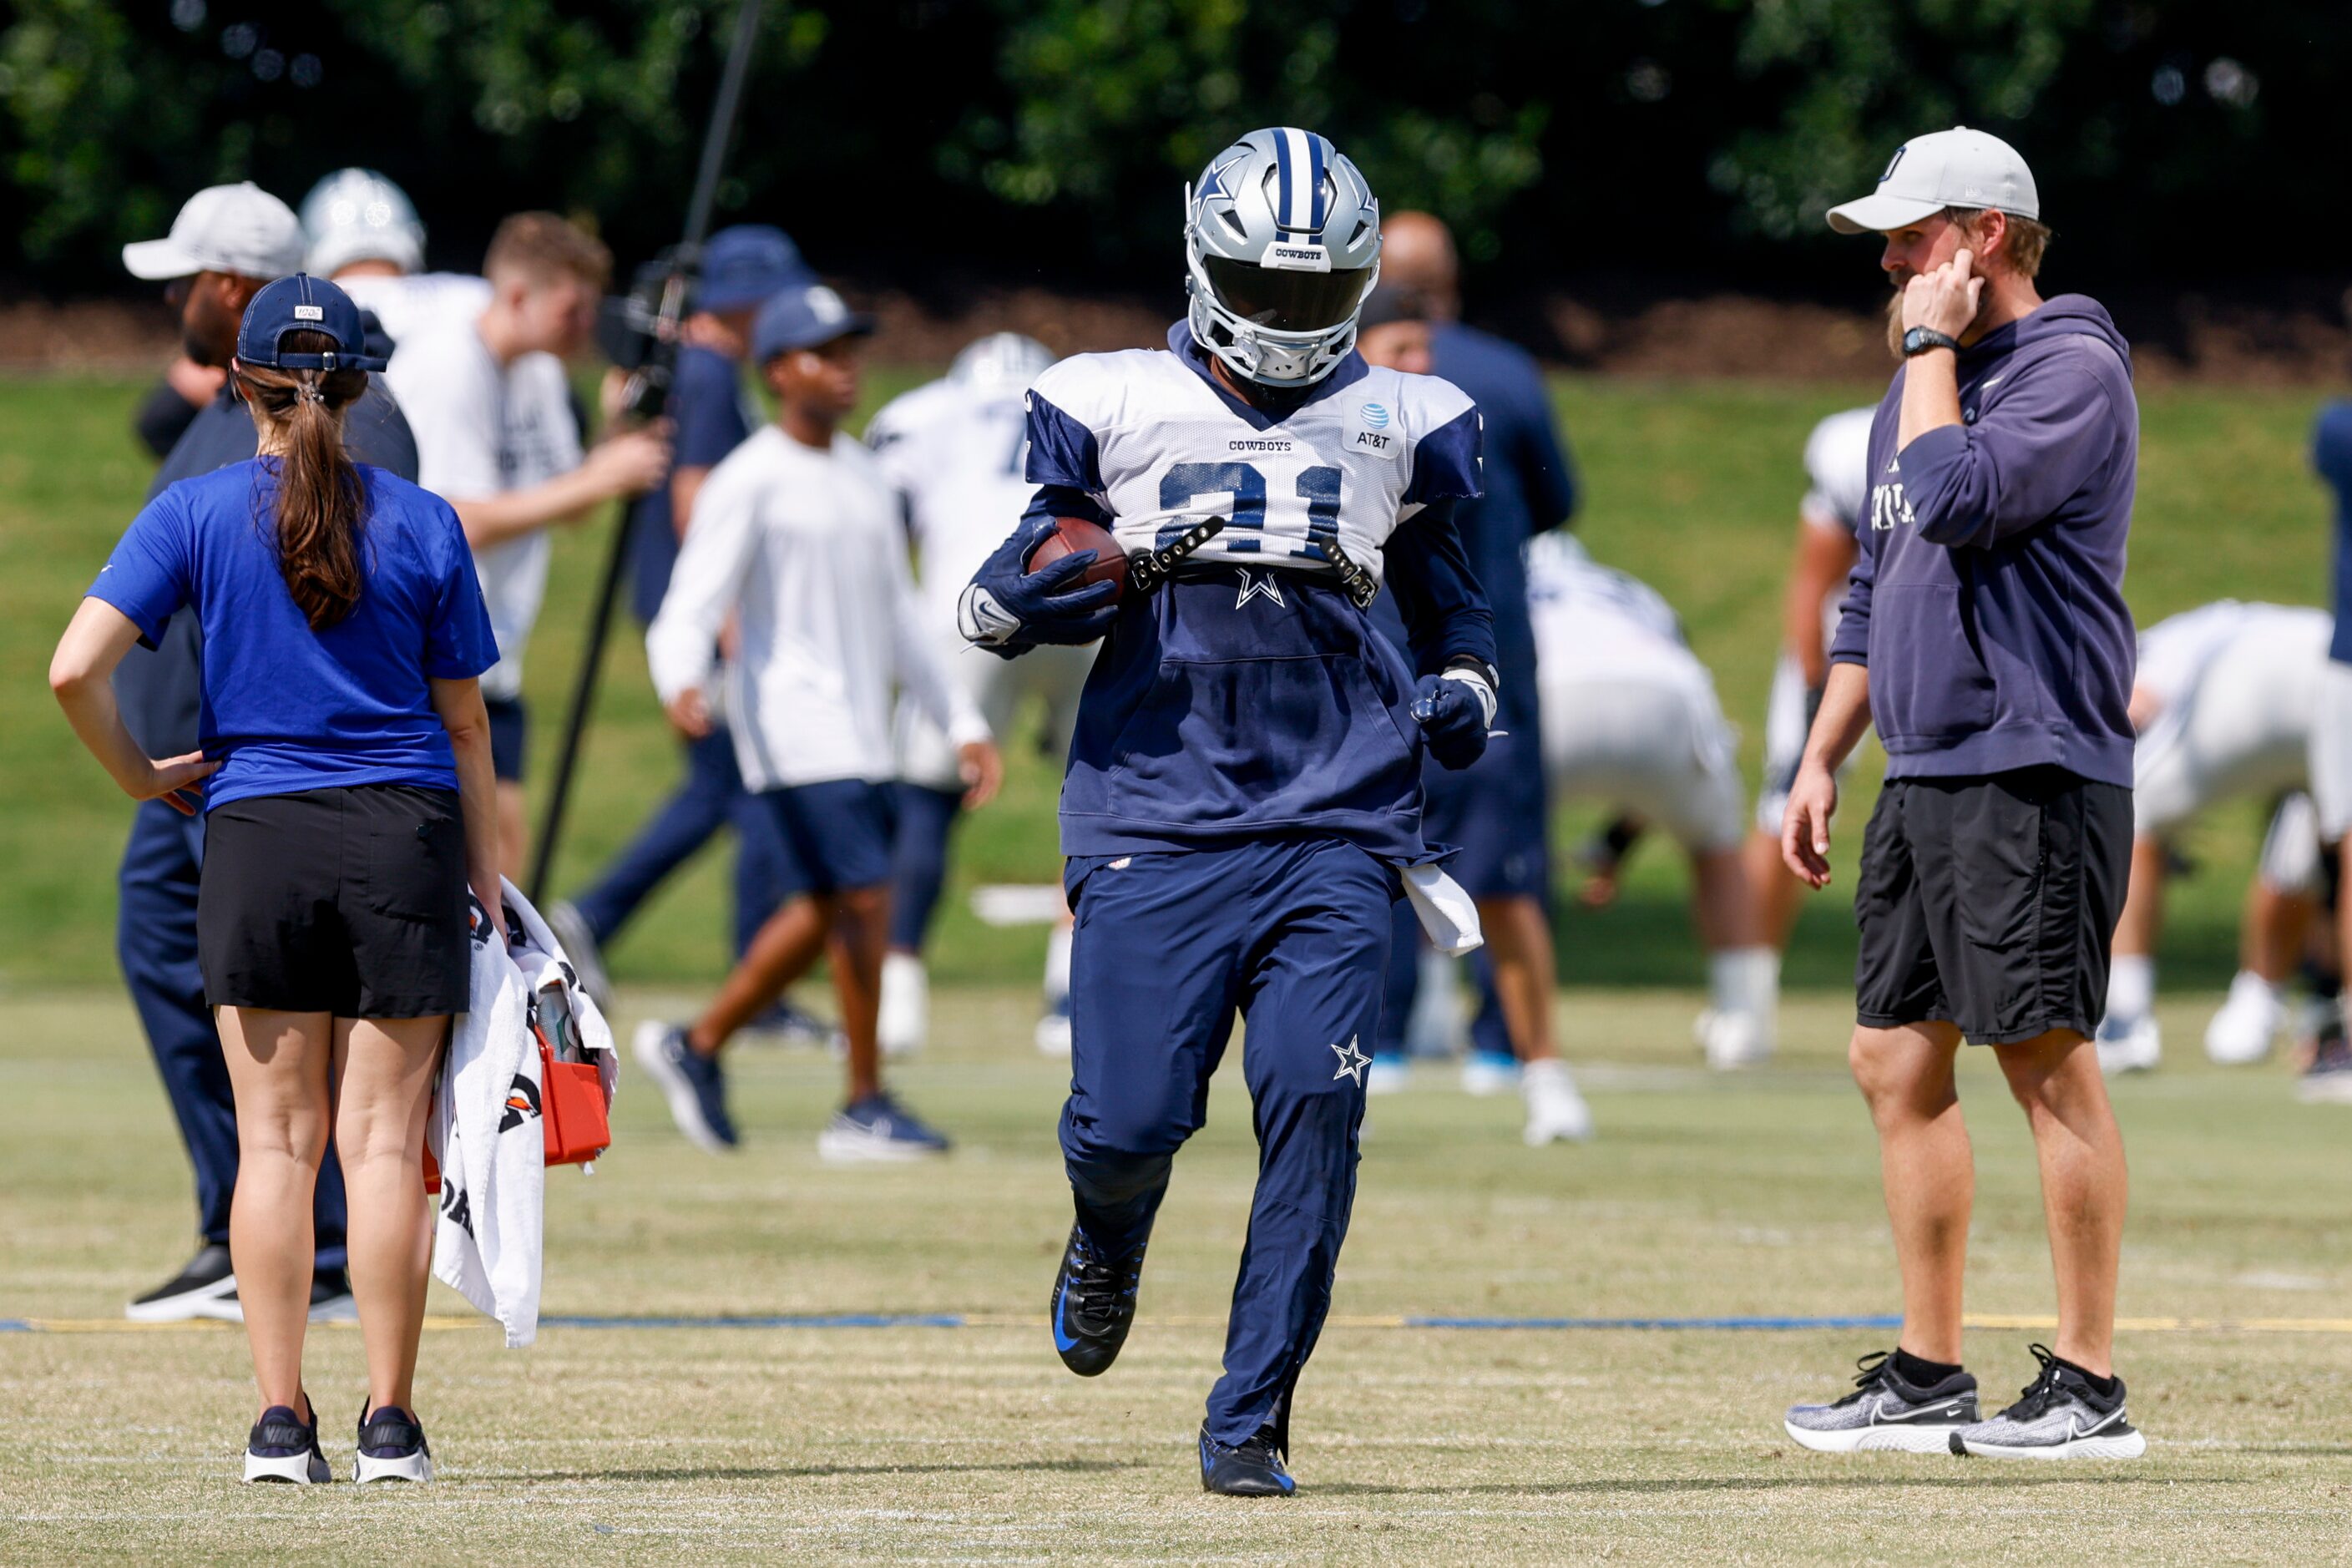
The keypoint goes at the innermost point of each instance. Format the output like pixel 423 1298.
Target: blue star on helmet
pixel 1214 185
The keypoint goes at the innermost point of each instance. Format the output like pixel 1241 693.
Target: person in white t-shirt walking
pixel 796 534
pixel 486 398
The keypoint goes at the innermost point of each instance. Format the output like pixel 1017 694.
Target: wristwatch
pixel 1919 340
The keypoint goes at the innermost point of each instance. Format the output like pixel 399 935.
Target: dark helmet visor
pixel 1284 300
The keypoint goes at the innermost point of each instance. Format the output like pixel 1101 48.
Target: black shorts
pixel 1992 902
pixel 509 736
pixel 350 901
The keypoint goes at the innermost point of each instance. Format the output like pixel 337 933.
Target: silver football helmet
pixel 1282 242
pixel 358 215
pixel 1001 361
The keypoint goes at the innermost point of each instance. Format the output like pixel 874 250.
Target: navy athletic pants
pixel 156 939
pixel 710 796
pixel 1293 934
pixel 918 861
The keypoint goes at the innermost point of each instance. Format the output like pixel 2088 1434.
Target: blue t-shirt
pixel 1530 488
pixel 706 414
pixel 287 708
pixel 2331 454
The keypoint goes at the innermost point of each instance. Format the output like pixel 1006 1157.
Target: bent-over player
pixel 1242 809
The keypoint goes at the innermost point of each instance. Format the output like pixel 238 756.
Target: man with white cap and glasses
pixel 1985 635
pixel 226 243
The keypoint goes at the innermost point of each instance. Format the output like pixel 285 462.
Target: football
pixel 1073 534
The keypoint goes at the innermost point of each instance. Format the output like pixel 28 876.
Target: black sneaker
pixel 1254 1468
pixel 207 1277
pixel 331 1302
pixel 1093 1305
pixel 2060 1416
pixel 2328 1080
pixel 283 1448
pixel 392 1447
pixel 691 1084
pixel 1885 1411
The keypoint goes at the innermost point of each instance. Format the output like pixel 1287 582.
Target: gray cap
pixel 241 229
pixel 1954 168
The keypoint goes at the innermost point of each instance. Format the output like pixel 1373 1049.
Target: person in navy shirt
pixel 1495 811
pixel 346 781
pixel 710 416
pixel 2329 1076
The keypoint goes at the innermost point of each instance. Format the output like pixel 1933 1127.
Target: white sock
pixel 904 1011
pixel 2131 986
pixel 1744 980
pixel 1057 966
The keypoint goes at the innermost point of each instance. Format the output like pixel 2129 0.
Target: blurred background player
pixel 225 245
pixel 1631 720
pixel 2222 701
pixel 710 414
pixel 1837 493
pixel 1400 330
pixel 797 536
pixel 2329 1076
pixel 953 449
pixel 497 439
pixel 363 234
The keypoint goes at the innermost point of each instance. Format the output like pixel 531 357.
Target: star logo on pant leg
pixel 1352 1062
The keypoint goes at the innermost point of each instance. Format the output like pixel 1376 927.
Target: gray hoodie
pixel 1988 600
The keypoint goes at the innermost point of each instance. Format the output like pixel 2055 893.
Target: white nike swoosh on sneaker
pixel 1883 1414
pixel 2109 1419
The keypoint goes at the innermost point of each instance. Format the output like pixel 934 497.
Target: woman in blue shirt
pixel 346 782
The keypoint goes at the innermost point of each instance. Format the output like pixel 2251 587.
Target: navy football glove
pixel 1006 607
pixel 1454 710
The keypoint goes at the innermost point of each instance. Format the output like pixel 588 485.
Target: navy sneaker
pixel 787 1023
pixel 1254 1468
pixel 392 1447
pixel 2328 1080
pixel 1094 1304
pixel 283 1448
pixel 877 1129
pixel 692 1084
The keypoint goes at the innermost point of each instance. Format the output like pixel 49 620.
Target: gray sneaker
pixel 2060 1416
pixel 1885 1411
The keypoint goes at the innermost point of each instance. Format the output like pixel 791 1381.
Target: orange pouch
pixel 572 1108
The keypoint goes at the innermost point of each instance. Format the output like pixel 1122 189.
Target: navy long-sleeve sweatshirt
pixel 1988 600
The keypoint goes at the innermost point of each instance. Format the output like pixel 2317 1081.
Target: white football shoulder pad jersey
pixel 1837 471
pixel 1158 448
pixel 955 455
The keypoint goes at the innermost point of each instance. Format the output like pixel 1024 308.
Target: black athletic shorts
pixel 350 901
pixel 1992 902
pixel 509 736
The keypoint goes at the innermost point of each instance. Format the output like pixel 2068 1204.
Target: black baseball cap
pixel 304 304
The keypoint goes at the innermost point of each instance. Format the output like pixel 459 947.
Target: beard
pixel 1895 325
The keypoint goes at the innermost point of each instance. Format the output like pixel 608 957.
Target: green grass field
pixel 1702 1196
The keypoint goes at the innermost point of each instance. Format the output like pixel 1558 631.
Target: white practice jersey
pixel 1837 471
pixel 1595 623
pixel 953 452
pixel 2176 651
pixel 484 429
pixel 803 547
pixel 1159 447
pixel 419 302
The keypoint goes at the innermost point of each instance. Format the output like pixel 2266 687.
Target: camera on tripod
pixel 639 331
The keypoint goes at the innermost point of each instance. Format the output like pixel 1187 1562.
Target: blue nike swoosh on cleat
pixel 1060 1292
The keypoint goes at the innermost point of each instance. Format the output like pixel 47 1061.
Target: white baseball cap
pixel 1954 168
pixel 239 229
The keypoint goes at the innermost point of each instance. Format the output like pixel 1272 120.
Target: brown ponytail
pixel 320 497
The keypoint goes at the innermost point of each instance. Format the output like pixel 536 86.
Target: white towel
pixel 486 1131
pixel 1447 913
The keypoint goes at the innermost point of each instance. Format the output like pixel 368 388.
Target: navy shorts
pixel 835 836
pixel 509 736
pixel 1495 813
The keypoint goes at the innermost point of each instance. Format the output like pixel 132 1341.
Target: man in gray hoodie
pixel 1985 634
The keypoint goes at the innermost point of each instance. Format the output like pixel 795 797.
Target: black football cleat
pixel 1094 1304
pixel 1254 1468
